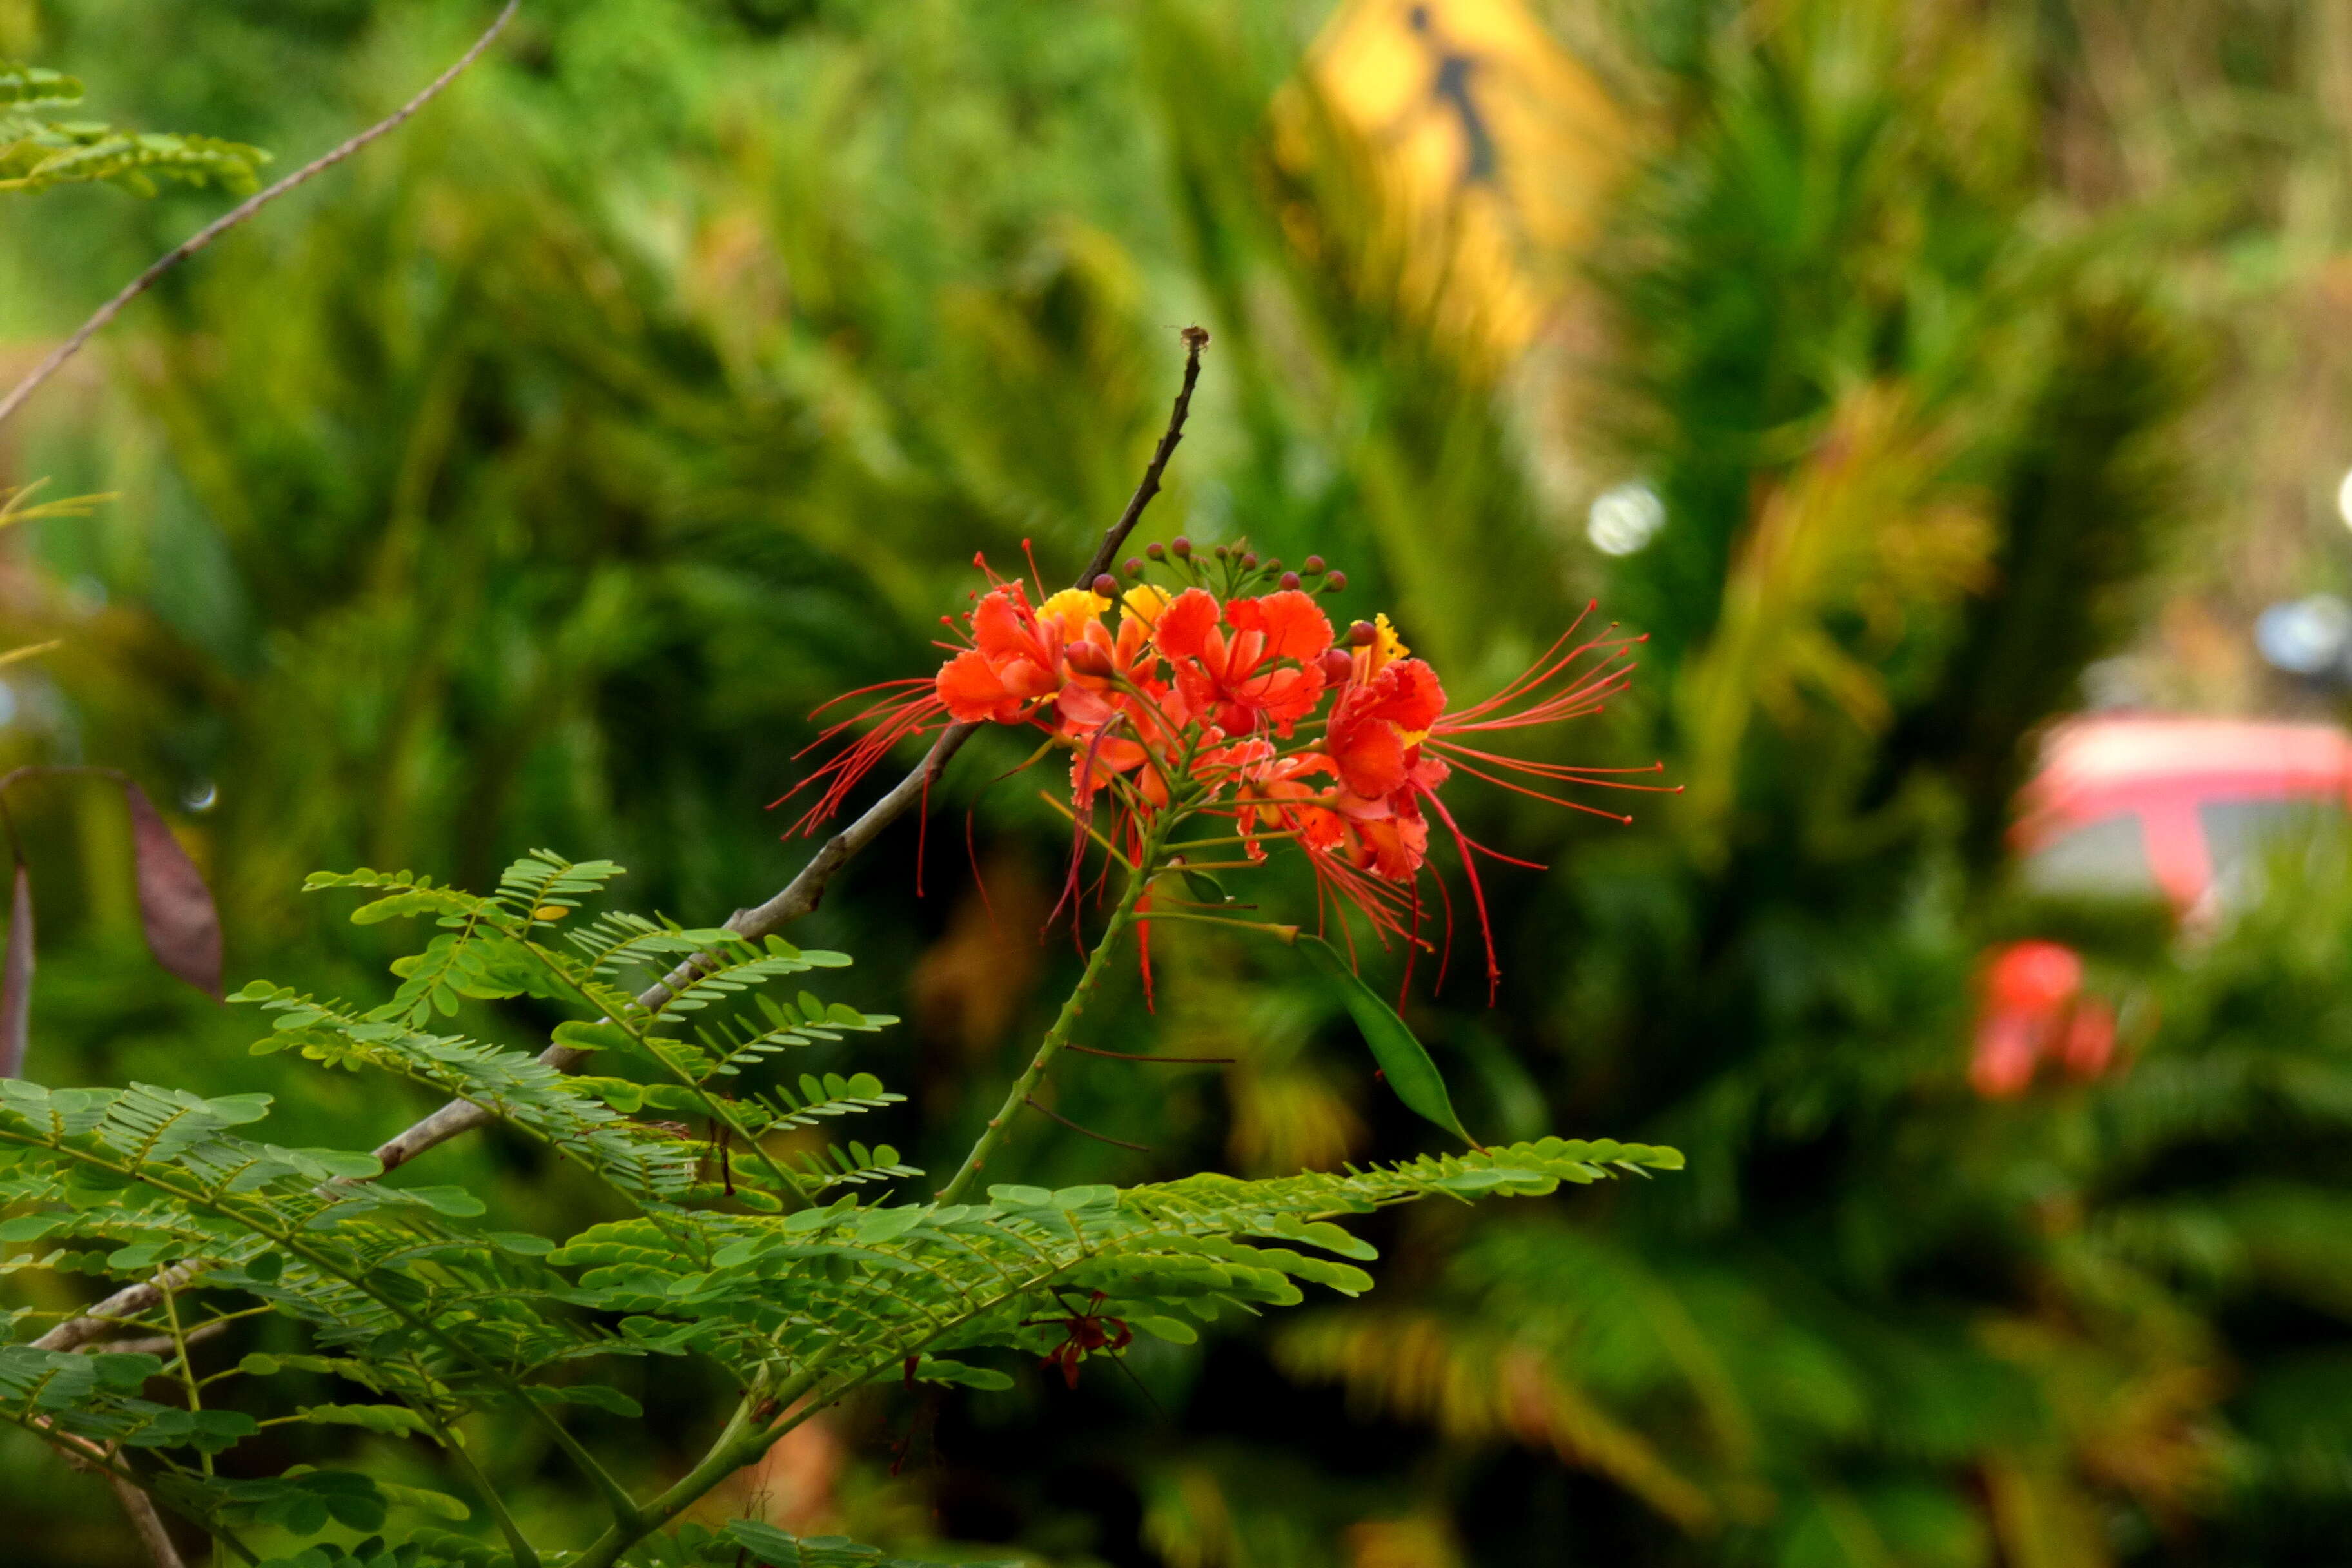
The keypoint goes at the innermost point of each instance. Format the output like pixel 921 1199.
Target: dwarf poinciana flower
pixel 1249 707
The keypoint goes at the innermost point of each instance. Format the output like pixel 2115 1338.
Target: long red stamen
pixel 971 853
pixel 1478 893
pixel 911 712
pixel 1445 954
pixel 1538 795
pixel 1568 771
pixel 908 684
pixel 1411 948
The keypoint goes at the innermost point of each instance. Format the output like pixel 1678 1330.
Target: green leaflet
pixel 936 1369
pixel 304 1501
pixel 1402 1058
pixel 37 153
pixel 387 1420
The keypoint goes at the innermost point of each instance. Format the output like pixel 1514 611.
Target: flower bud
pixel 1181 548
pixel 1363 633
pixel 1106 585
pixel 1313 566
pixel 1222 552
pixel 1156 551
pixel 1336 583
pixel 1290 580
pixel 1337 665
pixel 1274 563
pixel 1088 658
pixel 1135 566
pixel 1249 560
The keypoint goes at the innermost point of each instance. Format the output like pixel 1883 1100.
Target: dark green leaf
pixel 1402 1058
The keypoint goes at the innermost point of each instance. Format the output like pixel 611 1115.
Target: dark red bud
pixel 1135 567
pixel 1363 633
pixel 1313 566
pixel 1088 658
pixel 1249 560
pixel 1222 552
pixel 1156 551
pixel 1274 564
pixel 1335 583
pixel 1181 548
pixel 1290 579
pixel 1337 665
pixel 1106 585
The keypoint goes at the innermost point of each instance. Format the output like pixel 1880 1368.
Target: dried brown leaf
pixel 16 978
pixel 175 905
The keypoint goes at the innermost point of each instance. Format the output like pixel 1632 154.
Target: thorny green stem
pixel 1098 961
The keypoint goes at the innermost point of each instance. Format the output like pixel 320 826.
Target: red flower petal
pixel 1294 625
pixel 969 687
pixel 1185 627
pixel 1369 756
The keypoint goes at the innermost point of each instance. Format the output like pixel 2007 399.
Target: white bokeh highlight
pixel 1625 517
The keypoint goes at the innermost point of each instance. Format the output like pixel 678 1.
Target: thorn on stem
pixel 1031 1100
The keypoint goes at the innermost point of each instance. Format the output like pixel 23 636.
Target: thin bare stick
pixel 241 211
pixel 1129 1057
pixel 800 895
pixel 1195 339
pixel 147 1522
pixel 1098 1137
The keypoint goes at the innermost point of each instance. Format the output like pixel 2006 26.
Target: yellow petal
pixel 1073 610
pixel 1145 601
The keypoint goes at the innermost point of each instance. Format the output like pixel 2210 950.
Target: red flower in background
pixel 2034 1009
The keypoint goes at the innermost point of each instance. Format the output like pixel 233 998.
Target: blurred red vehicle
pixel 2178 809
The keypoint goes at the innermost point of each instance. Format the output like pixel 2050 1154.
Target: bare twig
pixel 164 1344
pixel 1195 339
pixel 147 1522
pixel 241 211
pixel 90 1458
pixel 798 897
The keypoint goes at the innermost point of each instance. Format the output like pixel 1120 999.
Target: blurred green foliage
pixel 530 479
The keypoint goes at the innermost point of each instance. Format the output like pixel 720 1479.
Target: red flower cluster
pixel 2032 1008
pixel 1249 707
